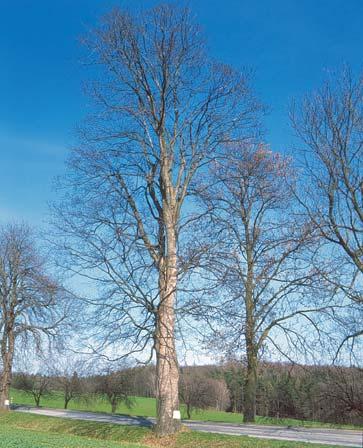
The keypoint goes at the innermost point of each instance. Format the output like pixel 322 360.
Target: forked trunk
pixel 167 371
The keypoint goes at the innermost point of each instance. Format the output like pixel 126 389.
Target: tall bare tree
pixel 162 109
pixel 29 298
pixel 329 123
pixel 261 273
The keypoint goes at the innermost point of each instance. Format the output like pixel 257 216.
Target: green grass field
pixel 145 407
pixel 19 430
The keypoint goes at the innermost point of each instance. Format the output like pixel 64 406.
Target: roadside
pixel 146 407
pixel 335 437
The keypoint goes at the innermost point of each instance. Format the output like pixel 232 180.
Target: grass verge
pixel 34 431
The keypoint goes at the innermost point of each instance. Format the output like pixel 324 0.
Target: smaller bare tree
pixel 37 385
pixel 70 385
pixel 196 391
pixel 30 299
pixel 259 273
pixel 115 387
pixel 143 379
pixel 66 372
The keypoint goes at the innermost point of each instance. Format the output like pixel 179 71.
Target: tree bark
pixel 37 397
pixel 7 354
pixel 167 377
pixel 249 396
pixel 5 386
pixel 189 414
pixel 249 406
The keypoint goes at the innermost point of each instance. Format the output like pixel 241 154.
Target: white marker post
pixel 176 415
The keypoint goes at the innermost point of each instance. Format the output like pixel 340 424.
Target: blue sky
pixel 289 44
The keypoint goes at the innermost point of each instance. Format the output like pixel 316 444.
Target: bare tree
pixel 115 387
pixel 329 123
pixel 143 379
pixel 200 392
pixel 342 393
pixel 30 298
pixel 162 110
pixel 262 275
pixel 66 376
pixel 72 387
pixel 37 385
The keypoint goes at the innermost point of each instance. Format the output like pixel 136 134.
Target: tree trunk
pixel 167 371
pixel 113 407
pixel 249 396
pixel 188 412
pixel 249 405
pixel 7 354
pixel 5 387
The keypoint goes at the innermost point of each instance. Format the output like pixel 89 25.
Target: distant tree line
pixel 320 393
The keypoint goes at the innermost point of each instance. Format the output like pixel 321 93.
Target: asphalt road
pixel 340 437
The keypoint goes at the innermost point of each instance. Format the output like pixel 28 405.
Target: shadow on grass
pixel 102 417
pixel 133 431
pixel 138 420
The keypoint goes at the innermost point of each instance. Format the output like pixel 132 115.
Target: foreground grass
pixel 145 407
pixel 27 431
pixel 34 431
